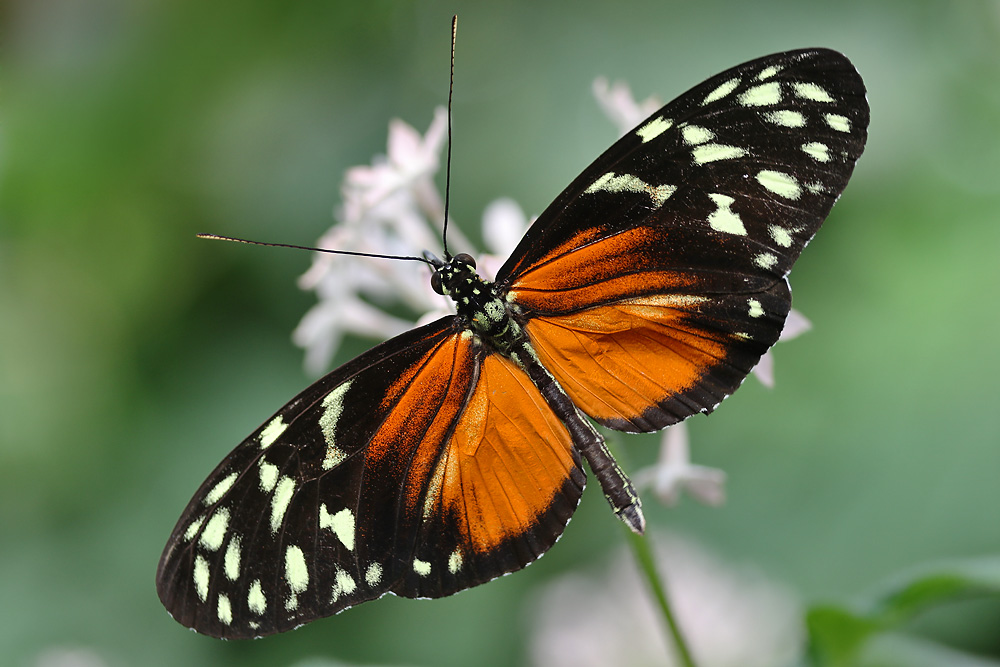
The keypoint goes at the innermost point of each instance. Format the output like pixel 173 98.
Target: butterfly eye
pixel 465 259
pixel 436 283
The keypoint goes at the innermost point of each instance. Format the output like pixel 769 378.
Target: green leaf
pixel 934 585
pixel 836 636
pixel 842 637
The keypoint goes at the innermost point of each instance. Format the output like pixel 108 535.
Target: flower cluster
pixel 392 206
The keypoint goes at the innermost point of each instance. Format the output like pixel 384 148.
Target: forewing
pixel 415 468
pixel 655 281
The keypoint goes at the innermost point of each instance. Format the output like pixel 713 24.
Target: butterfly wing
pixel 654 283
pixel 423 467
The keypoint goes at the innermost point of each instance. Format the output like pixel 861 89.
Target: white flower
pixel 730 617
pixel 674 473
pixel 390 207
pixel 796 324
pixel 504 223
pixel 620 107
pixel 404 177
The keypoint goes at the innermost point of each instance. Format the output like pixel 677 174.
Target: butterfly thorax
pixel 476 302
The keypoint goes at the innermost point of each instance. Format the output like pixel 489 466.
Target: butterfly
pixel 453 454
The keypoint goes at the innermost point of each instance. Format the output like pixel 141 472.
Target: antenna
pixel 447 171
pixel 216 237
pixel 447 194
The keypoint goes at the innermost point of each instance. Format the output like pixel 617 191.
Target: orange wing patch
pixel 507 461
pixel 605 270
pixel 618 361
pixel 420 408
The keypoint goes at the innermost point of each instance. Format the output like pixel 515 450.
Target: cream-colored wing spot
pixel 280 501
pixel 654 128
pixel 272 432
pixel 723 219
pixel 780 183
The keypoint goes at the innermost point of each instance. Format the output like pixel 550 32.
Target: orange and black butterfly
pixel 453 454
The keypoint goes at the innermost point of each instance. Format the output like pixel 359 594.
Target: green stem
pixel 647 563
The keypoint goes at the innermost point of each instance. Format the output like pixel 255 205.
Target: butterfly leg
pixel 617 487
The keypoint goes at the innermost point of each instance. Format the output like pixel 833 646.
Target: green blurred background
pixel 133 356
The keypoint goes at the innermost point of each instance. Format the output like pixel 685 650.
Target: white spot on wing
pixel 780 236
pixel 722 219
pixel 200 576
pixel 765 94
pixel 755 308
pixel 695 134
pixel 455 561
pixel 433 493
pixel 765 260
pixel 215 530
pixel 192 530
pixel 280 500
pixel 665 301
pixel 343 584
pixel 224 609
pixel 838 122
pixel 715 152
pixel 785 118
pixel 272 432
pixel 609 182
pixel 333 407
pixel 421 567
pixel 232 560
pixel 256 601
pixel 220 489
pixel 341 523
pixel 334 457
pixel 373 575
pixel 653 128
pixel 811 91
pixel 721 91
pixel 768 72
pixel 817 151
pixel 268 476
pixel 296 574
pixel 779 183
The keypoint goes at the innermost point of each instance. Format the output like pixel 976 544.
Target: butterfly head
pixel 449 275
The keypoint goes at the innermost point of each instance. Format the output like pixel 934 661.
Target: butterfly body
pixel 493 321
pixel 453 453
pixel 478 305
